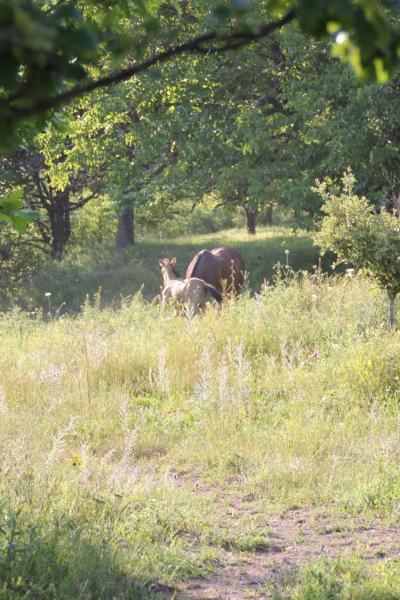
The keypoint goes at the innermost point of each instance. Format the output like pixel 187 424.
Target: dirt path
pixel 296 537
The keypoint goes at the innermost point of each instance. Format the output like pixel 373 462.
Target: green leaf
pixel 20 223
pixel 13 201
pixel 382 74
pixel 28 215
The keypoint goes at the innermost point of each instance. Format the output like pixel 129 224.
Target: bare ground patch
pixel 294 538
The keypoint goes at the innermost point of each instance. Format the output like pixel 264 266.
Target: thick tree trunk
pixel 391 312
pixel 268 214
pixel 126 228
pixel 251 217
pixel 59 214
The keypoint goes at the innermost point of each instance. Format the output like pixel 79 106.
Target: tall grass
pixel 345 580
pixel 121 273
pixel 118 425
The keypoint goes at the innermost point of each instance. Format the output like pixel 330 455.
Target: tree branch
pixel 152 172
pixel 231 41
pixel 75 205
pixel 37 244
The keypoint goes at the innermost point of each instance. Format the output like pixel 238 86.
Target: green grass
pixel 121 427
pixel 121 273
pixel 345 580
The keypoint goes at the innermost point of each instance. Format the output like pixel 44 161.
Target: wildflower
pixel 287 251
pixel 76 459
pixel 47 294
pixel 315 354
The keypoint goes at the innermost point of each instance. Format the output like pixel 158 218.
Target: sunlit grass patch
pixel 345 580
pixel 63 286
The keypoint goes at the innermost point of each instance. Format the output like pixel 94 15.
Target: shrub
pixel 359 235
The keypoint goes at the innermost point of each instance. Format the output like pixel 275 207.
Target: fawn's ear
pixel 162 262
pixel 172 261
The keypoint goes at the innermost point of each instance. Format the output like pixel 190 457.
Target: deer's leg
pixel 166 295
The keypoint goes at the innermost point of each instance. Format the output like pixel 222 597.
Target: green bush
pixel 359 235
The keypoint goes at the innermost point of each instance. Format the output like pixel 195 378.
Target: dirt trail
pixel 296 537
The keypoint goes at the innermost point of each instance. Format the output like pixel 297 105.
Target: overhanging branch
pixel 198 45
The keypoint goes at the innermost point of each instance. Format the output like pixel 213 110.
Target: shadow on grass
pixel 120 273
pixel 62 564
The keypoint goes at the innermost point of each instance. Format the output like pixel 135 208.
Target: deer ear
pixel 172 261
pixel 161 262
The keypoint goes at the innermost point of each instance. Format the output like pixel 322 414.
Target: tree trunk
pixel 391 312
pixel 297 215
pixel 251 216
pixel 60 224
pixel 126 227
pixel 268 214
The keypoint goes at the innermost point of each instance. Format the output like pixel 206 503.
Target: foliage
pixel 228 124
pixel 370 43
pixel 360 235
pixel 50 46
pixel 20 259
pixel 12 211
pixel 340 122
pixel 51 49
pixel 94 223
pixel 25 173
pixel 215 127
pixel 97 222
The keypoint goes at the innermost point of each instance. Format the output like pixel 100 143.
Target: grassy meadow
pixel 128 434
pixel 121 273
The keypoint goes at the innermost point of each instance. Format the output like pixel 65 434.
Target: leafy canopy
pixel 53 51
pixel 359 235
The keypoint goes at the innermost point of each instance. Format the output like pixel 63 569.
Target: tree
pixel 120 145
pixel 230 128
pixel 53 52
pixel 26 171
pixel 341 122
pixel 361 236
pixel 218 127
pixel 247 128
